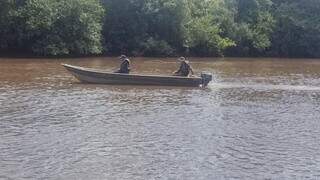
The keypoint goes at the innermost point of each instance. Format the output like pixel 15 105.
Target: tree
pixel 252 27
pixel 125 25
pixel 204 30
pixel 162 27
pixel 8 34
pixel 142 27
pixel 166 19
pixel 297 32
pixel 62 27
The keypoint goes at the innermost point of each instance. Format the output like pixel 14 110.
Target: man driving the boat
pixel 125 65
pixel 185 69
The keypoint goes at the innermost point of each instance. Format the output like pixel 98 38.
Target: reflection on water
pixel 259 119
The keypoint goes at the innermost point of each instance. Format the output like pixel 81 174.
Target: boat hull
pixel 94 76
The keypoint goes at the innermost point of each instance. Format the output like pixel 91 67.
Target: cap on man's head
pixel 122 56
pixel 182 59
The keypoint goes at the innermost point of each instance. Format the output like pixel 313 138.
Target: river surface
pixel 258 119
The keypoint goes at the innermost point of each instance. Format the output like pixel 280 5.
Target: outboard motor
pixel 206 78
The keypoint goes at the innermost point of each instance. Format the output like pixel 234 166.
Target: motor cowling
pixel 206 78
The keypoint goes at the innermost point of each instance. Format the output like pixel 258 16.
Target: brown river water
pixel 258 119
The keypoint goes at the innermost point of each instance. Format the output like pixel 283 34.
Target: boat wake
pixel 265 87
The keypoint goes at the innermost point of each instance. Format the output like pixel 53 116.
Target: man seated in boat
pixel 185 69
pixel 125 65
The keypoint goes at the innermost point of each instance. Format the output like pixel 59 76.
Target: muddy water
pixel 258 119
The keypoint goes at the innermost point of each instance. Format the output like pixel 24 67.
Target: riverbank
pixel 15 55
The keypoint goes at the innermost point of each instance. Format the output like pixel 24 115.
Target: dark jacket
pixel 184 69
pixel 124 67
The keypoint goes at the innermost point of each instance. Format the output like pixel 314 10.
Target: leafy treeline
pixel 288 28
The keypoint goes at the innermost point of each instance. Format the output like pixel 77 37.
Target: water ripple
pixel 248 124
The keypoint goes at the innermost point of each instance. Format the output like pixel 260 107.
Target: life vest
pixel 125 66
pixel 184 69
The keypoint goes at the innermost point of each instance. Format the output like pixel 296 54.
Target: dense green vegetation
pixel 52 27
pixel 286 28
